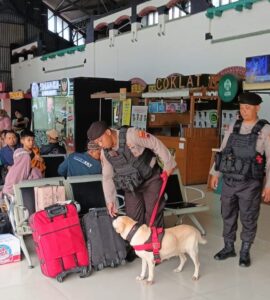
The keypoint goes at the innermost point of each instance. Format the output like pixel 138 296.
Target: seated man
pixel 86 163
pixel 20 122
pixel 53 147
pixel 6 153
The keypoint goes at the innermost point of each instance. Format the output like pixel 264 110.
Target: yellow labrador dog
pixel 176 242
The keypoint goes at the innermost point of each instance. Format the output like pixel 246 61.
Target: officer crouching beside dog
pixel 129 163
pixel 244 160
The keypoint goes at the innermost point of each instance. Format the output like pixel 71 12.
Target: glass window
pixel 187 9
pixel 216 3
pixel 59 26
pixel 183 13
pixel 124 26
pixel 77 38
pixel 223 2
pixel 144 21
pixel 74 36
pixel 66 31
pixel 176 12
pixel 150 19
pixel 171 13
pixel 41 120
pixel 80 40
pixel 51 21
pixel 50 14
pixel 156 17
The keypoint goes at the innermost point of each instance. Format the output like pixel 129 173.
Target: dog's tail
pixel 202 240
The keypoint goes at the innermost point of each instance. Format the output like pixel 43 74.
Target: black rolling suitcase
pixel 106 247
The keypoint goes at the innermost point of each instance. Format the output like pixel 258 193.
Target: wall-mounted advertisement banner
pixel 63 87
pixel 116 113
pixel 139 117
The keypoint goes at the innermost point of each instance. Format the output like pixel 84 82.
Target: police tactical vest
pixel 130 171
pixel 239 160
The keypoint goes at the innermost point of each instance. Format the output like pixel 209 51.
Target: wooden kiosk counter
pixel 193 154
pixel 193 149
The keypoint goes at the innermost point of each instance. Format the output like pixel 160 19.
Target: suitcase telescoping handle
pixel 56 210
pixel 98 211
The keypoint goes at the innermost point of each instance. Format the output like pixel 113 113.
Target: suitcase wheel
pixel 60 278
pixel 113 265
pixel 123 262
pixel 85 272
pixel 100 267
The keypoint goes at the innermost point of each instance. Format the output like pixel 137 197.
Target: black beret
pixel 249 98
pixel 96 130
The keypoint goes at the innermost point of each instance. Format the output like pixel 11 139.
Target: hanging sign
pixel 16 95
pixel 126 112
pixel 228 87
pixel 190 81
pixel 63 87
pixel 123 94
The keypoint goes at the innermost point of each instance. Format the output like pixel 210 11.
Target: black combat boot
pixel 226 252
pixel 244 260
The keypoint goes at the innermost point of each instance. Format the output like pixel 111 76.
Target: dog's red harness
pixel 157 233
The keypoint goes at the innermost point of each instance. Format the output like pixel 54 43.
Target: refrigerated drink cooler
pixel 65 105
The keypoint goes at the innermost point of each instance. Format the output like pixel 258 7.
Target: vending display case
pixel 65 105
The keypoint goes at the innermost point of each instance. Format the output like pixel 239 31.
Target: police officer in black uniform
pixel 243 160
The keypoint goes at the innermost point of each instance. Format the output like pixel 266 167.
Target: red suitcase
pixel 59 241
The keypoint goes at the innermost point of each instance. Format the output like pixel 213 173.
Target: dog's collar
pixel 133 230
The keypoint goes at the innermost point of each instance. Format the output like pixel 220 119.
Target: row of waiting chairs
pixel 87 190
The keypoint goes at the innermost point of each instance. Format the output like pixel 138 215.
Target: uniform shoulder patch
pixel 142 134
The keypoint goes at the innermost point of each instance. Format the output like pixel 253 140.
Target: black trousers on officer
pixel 244 198
pixel 140 204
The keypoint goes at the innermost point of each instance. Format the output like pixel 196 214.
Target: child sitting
pixel 28 143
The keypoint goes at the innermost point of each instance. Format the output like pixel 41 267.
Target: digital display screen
pixel 258 69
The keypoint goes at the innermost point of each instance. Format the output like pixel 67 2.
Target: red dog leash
pixel 155 243
pixel 164 178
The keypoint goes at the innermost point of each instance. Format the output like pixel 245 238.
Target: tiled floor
pixel 218 281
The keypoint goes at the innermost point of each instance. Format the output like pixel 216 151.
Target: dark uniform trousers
pixel 140 204
pixel 243 197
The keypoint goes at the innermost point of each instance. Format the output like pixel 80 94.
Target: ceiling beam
pixel 79 7
pixel 69 5
pixel 59 5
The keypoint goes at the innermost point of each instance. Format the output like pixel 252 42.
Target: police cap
pixel 249 98
pixel 96 130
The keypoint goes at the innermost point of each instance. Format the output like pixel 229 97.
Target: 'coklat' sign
pixel 190 81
